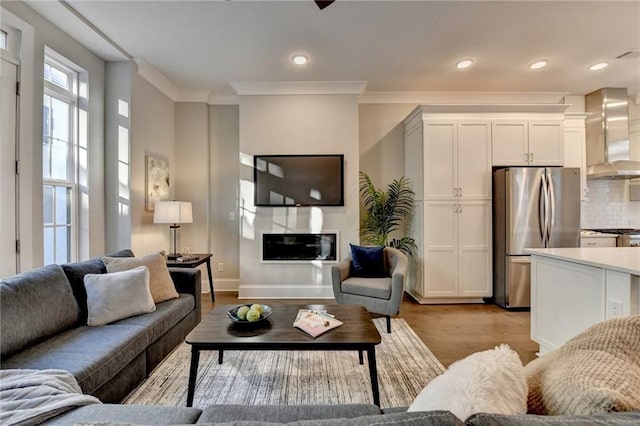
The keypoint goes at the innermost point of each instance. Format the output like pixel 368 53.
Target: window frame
pixel 70 97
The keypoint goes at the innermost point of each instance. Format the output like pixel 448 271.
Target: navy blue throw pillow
pixel 367 262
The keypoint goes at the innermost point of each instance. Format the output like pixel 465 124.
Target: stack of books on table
pixel 315 323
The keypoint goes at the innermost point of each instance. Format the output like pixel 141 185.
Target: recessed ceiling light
pixel 300 59
pixel 465 63
pixel 538 64
pixel 599 66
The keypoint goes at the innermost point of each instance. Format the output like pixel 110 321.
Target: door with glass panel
pixel 8 212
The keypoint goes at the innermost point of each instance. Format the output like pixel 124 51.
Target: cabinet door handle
pixel 526 157
pixel 460 191
pixel 531 157
pixel 460 208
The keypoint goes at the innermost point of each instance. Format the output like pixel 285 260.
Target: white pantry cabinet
pixel 457 159
pixel 457 255
pixel 527 142
pixel 449 161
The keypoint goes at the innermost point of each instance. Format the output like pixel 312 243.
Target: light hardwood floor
pixel 452 332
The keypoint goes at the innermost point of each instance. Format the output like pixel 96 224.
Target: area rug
pixel 405 366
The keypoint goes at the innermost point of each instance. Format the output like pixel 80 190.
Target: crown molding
pixel 245 88
pixel 461 97
pixel 156 78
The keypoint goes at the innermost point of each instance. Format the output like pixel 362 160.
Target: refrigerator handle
pixel 542 209
pixel 552 208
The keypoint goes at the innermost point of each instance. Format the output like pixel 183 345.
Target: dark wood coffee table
pixel 217 332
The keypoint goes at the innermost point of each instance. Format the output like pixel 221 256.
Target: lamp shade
pixel 173 212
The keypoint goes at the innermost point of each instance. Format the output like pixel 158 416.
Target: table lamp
pixel 175 213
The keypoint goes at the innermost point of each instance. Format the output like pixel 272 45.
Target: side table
pixel 201 258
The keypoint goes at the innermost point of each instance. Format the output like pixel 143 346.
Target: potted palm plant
pixel 385 210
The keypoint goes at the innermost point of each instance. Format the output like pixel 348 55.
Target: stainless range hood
pixel 608 151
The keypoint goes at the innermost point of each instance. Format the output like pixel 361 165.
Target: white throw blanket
pixel 29 397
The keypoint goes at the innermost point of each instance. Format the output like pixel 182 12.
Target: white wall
pixel 192 171
pixel 300 124
pixel 119 76
pixel 224 153
pixel 152 133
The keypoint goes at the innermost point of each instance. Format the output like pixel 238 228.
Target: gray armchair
pixel 378 295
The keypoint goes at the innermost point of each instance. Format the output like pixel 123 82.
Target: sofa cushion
pixel 435 418
pixel 75 273
pixel 594 372
pixel 284 413
pixel 128 414
pixel 491 381
pixel 367 261
pixel 166 315
pixel 160 281
pixel 33 306
pixel 92 354
pixel 111 297
pixel 380 288
pixel 610 419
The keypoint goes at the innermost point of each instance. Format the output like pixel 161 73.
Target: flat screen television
pixel 298 180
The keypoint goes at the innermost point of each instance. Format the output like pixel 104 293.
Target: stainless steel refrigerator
pixel 533 207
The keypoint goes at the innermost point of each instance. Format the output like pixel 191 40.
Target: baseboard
pixel 222 284
pixel 442 301
pixel 284 292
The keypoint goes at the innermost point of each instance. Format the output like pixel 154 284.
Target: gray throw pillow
pixel 118 295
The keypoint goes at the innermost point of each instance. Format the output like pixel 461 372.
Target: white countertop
pixel 621 259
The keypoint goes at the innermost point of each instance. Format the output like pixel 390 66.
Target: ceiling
pixel 393 46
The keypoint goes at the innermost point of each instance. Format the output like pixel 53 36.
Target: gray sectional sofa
pixel 43 316
pixel 42 323
pixel 316 415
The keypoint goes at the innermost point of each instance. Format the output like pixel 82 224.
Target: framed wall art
pixel 157 181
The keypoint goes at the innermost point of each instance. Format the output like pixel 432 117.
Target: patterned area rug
pixel 405 366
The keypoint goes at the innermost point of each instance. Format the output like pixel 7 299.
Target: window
pixel 3 40
pixel 59 161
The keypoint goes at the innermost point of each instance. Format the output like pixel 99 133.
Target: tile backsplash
pixel 608 206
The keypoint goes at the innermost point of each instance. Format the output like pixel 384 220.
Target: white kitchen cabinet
pixel 575 141
pixel 457 250
pixel 452 219
pixel 527 143
pixel 457 159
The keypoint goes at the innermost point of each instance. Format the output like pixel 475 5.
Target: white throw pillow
pixel 491 381
pixel 118 295
pixel 161 284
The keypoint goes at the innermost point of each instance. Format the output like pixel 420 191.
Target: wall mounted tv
pixel 298 180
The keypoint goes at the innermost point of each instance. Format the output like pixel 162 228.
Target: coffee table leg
pixel 373 372
pixel 193 374
pixel 361 357
pixel 220 356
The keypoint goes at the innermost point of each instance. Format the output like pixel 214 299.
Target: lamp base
pixel 173 256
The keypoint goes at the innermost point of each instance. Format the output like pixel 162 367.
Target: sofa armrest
pixel 188 280
pixel 339 273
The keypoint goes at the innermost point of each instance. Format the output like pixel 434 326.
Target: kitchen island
pixel 574 288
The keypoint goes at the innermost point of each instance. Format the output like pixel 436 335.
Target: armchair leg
pixel 388 324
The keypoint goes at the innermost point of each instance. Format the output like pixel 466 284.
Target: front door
pixel 8 181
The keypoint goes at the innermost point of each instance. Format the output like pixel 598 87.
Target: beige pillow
pixel 160 281
pixel 118 295
pixel 597 371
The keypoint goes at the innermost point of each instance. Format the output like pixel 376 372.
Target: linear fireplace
pixel 299 247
